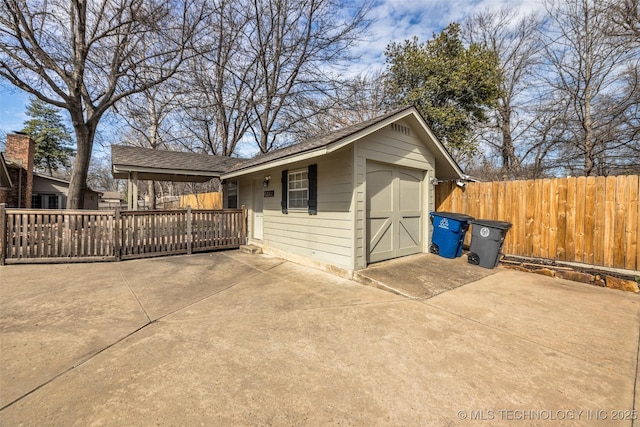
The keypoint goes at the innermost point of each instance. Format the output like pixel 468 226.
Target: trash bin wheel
pixel 473 258
pixel 434 249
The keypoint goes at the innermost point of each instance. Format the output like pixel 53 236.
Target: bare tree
pixel 294 42
pixel 149 117
pixel 86 56
pixel 218 103
pixel 593 85
pixel 357 99
pixel 517 45
pixel 625 15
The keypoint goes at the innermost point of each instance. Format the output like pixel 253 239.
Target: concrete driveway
pixel 233 339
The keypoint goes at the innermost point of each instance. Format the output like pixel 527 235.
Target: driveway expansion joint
pixel 126 282
pixel 149 322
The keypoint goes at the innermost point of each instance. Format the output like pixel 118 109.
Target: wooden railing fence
pixel 30 236
pixel 590 220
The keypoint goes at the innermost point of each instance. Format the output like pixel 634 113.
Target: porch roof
pixel 163 165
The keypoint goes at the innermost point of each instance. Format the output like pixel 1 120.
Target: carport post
pixel 243 232
pixel 132 191
pixel 3 232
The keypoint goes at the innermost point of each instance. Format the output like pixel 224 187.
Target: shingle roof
pixel 311 144
pixel 162 159
pixel 111 195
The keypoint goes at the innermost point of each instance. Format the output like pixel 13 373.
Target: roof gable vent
pixel 396 127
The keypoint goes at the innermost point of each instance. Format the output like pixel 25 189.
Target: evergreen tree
pixel 452 85
pixel 51 136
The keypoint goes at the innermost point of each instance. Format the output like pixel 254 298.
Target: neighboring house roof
pixel 5 179
pixel 58 180
pixel 111 195
pixel 446 167
pixel 163 165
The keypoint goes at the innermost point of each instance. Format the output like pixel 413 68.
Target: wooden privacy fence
pixel 202 200
pixel 28 235
pixel 591 220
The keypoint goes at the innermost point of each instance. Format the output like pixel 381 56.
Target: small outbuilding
pixel 342 201
pixel 51 193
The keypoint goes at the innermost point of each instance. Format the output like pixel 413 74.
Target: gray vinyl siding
pixel 389 146
pixel 325 237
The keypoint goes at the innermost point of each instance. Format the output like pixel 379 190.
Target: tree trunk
pixel 589 163
pixel 509 161
pixel 85 134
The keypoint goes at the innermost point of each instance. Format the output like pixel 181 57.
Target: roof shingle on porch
pixel 163 165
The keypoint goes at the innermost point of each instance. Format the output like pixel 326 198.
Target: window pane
pixel 232 194
pixel 298 189
pixel 53 202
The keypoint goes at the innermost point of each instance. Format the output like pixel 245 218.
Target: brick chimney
pixel 21 150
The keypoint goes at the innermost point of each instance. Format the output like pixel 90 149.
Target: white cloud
pixel 399 20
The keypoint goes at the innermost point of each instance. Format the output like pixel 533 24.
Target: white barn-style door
pixel 393 211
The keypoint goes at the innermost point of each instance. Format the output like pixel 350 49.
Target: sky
pixel 393 21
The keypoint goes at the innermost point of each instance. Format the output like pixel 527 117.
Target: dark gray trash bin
pixel 487 238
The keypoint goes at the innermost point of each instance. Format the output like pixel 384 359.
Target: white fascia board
pixel 334 146
pixel 275 163
pixel 440 147
pixel 51 178
pixel 127 169
pixel 367 131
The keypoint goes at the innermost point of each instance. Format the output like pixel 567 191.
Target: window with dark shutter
pixel 313 189
pixel 285 191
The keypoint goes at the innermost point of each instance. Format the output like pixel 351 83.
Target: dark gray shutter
pixel 285 190
pixel 313 189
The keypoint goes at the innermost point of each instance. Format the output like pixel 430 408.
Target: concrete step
pixel 251 249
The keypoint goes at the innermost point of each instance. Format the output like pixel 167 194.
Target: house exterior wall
pixel 43 185
pixel 326 237
pixel 336 236
pixel 50 187
pixel 397 145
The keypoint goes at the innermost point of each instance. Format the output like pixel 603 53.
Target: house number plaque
pixel 269 193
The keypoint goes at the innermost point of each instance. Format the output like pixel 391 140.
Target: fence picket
pixel 632 226
pixel 570 220
pixel 599 222
pixel 617 256
pixel 560 226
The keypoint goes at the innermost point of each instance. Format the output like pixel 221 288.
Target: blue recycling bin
pixel 449 229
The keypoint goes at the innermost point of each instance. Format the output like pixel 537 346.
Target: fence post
pixel 3 232
pixel 116 233
pixel 189 236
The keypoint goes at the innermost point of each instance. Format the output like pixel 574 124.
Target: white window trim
pixel 293 172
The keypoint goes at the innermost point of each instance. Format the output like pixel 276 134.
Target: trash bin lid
pixel 453 215
pixel 502 225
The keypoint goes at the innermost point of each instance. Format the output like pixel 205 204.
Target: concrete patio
pixel 231 338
